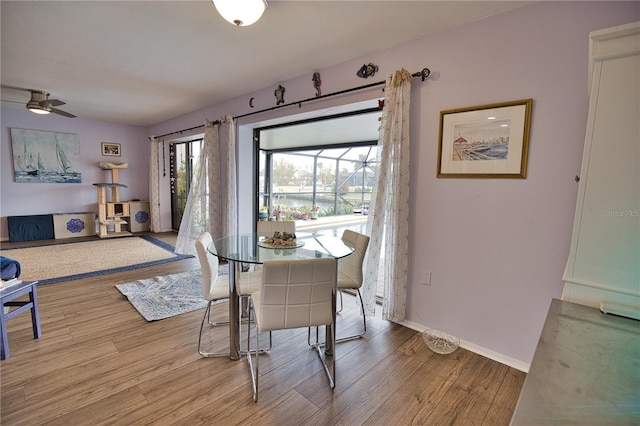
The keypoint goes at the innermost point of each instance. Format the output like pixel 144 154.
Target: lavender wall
pixel 39 198
pixel 496 248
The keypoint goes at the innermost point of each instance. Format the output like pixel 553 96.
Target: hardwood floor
pixel 99 362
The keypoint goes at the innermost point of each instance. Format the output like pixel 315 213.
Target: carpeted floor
pixel 71 261
pixel 166 296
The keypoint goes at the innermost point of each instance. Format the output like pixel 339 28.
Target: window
pixel 321 167
pixel 336 181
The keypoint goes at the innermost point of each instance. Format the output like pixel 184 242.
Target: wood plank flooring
pixel 99 362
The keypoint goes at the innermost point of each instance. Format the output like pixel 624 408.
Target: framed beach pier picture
pixel 485 141
pixel 45 157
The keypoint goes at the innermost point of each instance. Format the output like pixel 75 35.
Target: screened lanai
pixel 311 183
pixel 317 168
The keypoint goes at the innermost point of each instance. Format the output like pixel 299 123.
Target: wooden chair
pixel 294 294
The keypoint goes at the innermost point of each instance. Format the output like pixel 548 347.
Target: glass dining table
pixel 244 249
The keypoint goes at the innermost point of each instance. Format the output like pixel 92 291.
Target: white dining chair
pixel 294 294
pixel 269 227
pixel 215 288
pixel 350 275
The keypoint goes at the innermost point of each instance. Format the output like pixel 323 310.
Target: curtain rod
pixel 423 74
pixel 177 132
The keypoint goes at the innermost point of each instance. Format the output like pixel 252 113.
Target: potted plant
pixel 263 213
pixel 304 210
pixel 314 212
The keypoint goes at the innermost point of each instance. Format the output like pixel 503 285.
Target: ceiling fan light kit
pixel 39 110
pixel 241 12
pixel 41 104
pixel 35 103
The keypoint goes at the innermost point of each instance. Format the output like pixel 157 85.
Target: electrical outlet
pixel 426 278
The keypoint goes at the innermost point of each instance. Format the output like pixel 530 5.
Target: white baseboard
pixel 480 350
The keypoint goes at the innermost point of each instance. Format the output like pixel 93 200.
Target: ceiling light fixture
pixel 34 104
pixel 241 12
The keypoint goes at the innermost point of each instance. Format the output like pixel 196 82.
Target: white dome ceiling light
pixel 241 12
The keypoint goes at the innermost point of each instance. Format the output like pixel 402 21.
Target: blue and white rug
pixel 167 296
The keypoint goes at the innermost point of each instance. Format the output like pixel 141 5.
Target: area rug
pixel 166 296
pixel 53 263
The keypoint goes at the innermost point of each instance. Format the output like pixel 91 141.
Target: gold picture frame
pixel 485 141
pixel 111 149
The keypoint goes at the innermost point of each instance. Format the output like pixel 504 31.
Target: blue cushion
pixel 9 268
pixel 30 228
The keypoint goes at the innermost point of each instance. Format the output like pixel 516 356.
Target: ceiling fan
pixel 40 103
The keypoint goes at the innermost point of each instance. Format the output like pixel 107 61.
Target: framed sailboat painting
pixel 45 157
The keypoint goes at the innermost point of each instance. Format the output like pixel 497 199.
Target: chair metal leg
pixel 255 396
pixel 215 323
pixel 261 350
pixel 254 374
pixel 331 375
pixel 309 342
pixel 246 300
pixel 364 323
pixel 347 338
pixel 342 339
pixel 200 351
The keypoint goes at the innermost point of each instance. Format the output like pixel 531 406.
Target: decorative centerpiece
pixel 281 240
pixel 440 342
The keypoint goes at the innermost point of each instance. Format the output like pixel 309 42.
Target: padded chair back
pixel 209 264
pixel 269 227
pixel 351 266
pixel 296 293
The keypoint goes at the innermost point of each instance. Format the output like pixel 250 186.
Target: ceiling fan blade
pixel 60 112
pixel 13 102
pixel 52 102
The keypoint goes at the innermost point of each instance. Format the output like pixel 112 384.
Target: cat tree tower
pixel 113 214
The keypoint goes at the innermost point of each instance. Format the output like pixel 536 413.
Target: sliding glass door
pixel 183 156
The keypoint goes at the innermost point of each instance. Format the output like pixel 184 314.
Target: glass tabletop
pixel 247 248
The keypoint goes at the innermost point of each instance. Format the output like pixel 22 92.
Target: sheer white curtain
pixel 154 186
pixel 230 203
pixel 388 222
pixel 203 202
